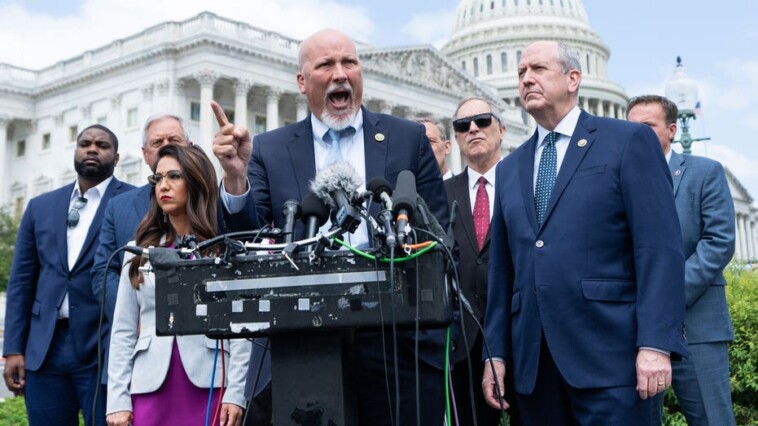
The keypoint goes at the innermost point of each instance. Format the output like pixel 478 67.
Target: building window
pixel 20 148
pixel 19 205
pixel 588 64
pixel 131 117
pixel 195 111
pixel 260 124
pixel 73 132
pixel 103 121
pixel 46 141
pixel 230 115
pixel 503 62
pixel 489 64
pixel 492 5
pixel 476 67
pixel 481 8
pixel 463 65
pixel 518 57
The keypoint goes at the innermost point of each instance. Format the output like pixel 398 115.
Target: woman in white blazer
pixel 165 380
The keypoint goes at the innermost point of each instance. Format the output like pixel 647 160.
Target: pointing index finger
pixel 219 113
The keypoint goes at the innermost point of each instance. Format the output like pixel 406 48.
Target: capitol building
pixel 179 67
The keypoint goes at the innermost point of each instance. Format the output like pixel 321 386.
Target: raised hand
pixel 232 146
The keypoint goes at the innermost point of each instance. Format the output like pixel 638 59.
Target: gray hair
pixel 440 127
pixel 568 58
pixel 157 117
pixel 493 108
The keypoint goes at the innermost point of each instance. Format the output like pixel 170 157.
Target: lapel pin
pixel 379 137
pixel 581 143
pixel 677 172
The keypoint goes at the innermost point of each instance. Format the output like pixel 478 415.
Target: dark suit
pixel 122 217
pixel 602 276
pixel 472 271
pixel 39 280
pixel 281 168
pixel 706 215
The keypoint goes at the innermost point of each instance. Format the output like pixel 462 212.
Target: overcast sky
pixel 717 41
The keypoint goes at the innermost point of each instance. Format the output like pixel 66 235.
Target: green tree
pixel 8 230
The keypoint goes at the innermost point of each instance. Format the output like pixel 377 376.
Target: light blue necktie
pixel 334 139
pixel 545 176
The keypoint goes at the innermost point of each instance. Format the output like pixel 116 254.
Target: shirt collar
pixel 319 128
pixel 473 176
pixel 99 189
pixel 565 127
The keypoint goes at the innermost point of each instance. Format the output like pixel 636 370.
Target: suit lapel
pixel 375 150
pixel 302 156
pixel 60 214
pixel 677 167
pixel 526 177
pixel 574 156
pixel 466 219
pixel 94 229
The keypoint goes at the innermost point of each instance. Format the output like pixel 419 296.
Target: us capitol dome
pixel 489 36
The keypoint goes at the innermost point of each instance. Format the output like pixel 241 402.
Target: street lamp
pixel 683 91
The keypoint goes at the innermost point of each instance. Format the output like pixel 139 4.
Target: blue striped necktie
pixel 545 176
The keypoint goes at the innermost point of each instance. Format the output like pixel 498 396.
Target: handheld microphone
pixel 382 194
pixel 335 185
pixel 291 211
pixel 404 203
pixel 314 214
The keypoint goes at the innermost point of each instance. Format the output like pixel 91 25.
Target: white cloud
pixel 431 27
pixel 36 40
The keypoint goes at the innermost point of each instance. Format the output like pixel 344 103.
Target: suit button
pixel 539 243
pixel 479 261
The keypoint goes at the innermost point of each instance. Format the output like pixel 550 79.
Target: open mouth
pixel 339 99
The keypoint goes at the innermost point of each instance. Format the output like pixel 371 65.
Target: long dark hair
pixel 202 201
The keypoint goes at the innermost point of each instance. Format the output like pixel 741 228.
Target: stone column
pixel 207 79
pixel 4 163
pixel 746 234
pixel 302 107
pixel 586 104
pixel 738 237
pixel 241 89
pixel 178 103
pixel 272 108
pixel 163 89
pixel 751 240
pixel 385 107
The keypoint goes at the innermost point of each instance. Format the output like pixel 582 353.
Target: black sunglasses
pixel 73 215
pixel 173 177
pixel 482 121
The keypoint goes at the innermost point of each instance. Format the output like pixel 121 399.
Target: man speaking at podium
pixel 283 163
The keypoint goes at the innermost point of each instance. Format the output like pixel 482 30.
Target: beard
pixel 342 119
pixel 98 171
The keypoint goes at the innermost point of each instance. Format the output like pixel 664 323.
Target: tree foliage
pixel 8 230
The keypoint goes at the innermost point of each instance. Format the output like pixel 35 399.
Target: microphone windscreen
pixel 378 185
pixel 338 176
pixel 405 193
pixel 312 206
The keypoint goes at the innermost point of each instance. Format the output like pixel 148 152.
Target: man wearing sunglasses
pixel 479 132
pixel 52 315
pixel 586 286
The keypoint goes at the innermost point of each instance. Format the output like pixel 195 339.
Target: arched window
pixel 476 67
pixel 503 62
pixel 588 64
pixel 463 65
pixel 518 57
pixel 489 64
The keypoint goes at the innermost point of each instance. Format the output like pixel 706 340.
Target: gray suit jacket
pixel 139 360
pixel 706 214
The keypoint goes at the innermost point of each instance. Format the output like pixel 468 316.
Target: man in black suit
pixel 479 131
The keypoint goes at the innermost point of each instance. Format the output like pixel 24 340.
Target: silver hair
pixel 568 58
pixel 157 117
pixel 440 127
pixel 493 107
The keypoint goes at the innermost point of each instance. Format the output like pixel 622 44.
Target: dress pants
pixel 63 385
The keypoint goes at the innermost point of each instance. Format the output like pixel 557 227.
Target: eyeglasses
pixel 482 121
pixel 73 215
pixel 173 177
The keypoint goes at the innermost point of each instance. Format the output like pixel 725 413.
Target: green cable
pixel 385 259
pixel 447 377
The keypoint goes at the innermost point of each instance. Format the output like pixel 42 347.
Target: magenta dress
pixel 177 402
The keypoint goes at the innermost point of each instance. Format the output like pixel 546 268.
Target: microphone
pixel 314 214
pixel 404 203
pixel 382 194
pixel 335 185
pixel 291 211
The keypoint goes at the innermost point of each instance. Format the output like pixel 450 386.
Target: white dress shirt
pixel 565 130
pixel 473 186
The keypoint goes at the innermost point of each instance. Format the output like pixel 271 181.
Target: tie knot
pixel 551 138
pixel 482 181
pixel 333 135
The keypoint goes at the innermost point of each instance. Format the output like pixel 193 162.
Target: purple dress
pixel 177 402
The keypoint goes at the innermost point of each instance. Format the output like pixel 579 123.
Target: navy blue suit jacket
pixel 603 275
pixel 706 214
pixel 40 277
pixel 283 164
